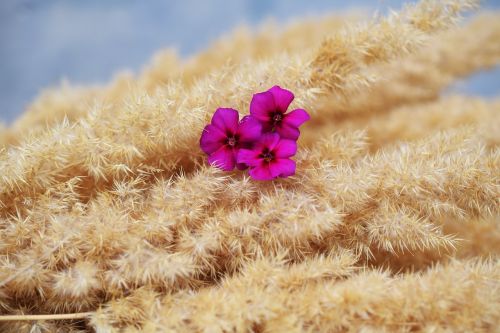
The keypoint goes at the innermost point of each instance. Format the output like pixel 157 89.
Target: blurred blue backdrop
pixel 45 41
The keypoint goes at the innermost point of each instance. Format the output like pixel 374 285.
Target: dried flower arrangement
pixel 111 219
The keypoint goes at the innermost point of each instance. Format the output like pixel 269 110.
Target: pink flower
pixel 222 139
pixel 270 108
pixel 270 157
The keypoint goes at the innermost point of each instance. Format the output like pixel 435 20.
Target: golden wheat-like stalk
pixel 111 220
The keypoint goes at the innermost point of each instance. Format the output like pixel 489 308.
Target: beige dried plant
pixel 111 220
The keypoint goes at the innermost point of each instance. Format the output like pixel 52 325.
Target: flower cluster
pixel 264 141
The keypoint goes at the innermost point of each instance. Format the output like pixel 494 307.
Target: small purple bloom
pixel 270 108
pixel 223 138
pixel 270 157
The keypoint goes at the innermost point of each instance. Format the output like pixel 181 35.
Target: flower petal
pixel 226 120
pixel 223 158
pixel 282 167
pixel 211 139
pixel 282 98
pixel 267 141
pixel 250 129
pixel 296 117
pixel 288 132
pixel 241 166
pixel 248 157
pixel 285 148
pixel 262 106
pixel 261 172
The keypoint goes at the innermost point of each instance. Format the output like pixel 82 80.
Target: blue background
pixel 43 42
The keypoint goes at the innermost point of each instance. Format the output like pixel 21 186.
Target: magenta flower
pixel 222 139
pixel 270 108
pixel 270 157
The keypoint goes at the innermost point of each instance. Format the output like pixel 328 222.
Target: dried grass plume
pixel 108 209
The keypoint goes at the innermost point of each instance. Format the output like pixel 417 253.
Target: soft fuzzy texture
pixel 391 222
